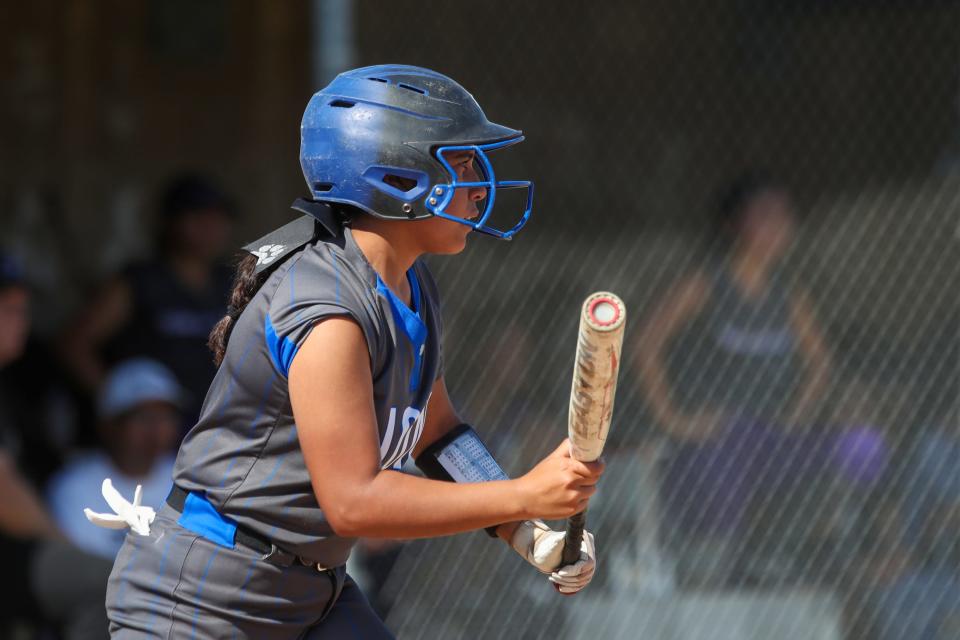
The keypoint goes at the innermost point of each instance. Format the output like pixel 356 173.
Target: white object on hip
pixel 125 514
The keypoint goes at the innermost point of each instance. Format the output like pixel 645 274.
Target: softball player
pixel 331 377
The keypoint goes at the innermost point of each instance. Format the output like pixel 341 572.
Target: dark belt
pixel 269 550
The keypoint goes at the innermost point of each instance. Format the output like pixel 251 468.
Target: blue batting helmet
pixel 375 138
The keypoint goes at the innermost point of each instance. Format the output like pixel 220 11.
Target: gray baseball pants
pixel 177 584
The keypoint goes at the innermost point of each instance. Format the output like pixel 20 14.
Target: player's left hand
pixel 574 577
pixel 542 547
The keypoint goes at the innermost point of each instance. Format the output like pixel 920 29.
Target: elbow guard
pixel 460 456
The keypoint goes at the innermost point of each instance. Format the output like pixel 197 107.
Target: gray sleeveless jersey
pixel 244 453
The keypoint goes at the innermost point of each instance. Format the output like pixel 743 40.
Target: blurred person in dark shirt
pixel 14 329
pixel 23 520
pixel 733 364
pixel 164 308
pixel 34 554
pixel 39 409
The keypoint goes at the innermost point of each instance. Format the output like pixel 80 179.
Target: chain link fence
pixel 784 460
pixel 836 524
pixel 783 457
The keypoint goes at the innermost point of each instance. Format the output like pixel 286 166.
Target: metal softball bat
pixel 595 370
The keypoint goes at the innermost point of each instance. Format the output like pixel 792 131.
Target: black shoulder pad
pixel 319 220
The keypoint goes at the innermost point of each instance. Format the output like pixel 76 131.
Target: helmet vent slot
pixel 343 104
pixel 408 87
pixel 399 182
pixel 379 80
pixel 322 186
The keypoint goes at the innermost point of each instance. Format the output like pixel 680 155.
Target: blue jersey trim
pixel 200 517
pixel 415 294
pixel 410 322
pixel 282 350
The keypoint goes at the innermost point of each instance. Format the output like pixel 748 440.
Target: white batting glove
pixel 542 547
pixel 125 514
pixel 573 577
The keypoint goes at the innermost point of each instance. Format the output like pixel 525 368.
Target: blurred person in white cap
pixel 139 412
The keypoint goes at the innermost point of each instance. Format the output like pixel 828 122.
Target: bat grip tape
pixel 571 543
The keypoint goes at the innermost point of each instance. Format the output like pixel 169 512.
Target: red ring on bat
pixel 593 307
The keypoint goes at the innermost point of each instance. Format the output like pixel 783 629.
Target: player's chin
pixel 453 245
pixel 447 237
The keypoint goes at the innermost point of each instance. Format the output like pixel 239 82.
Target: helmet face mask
pixel 376 138
pixel 442 194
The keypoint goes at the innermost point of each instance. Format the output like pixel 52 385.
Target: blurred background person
pixel 930 479
pixel 733 364
pixel 38 409
pixel 14 330
pixel 139 420
pixel 24 522
pixel 503 394
pixel 165 307
pixel 892 591
pixel 56 586
pixel 139 409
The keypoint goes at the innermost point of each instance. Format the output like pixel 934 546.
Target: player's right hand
pixel 559 486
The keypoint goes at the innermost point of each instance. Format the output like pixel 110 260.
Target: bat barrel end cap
pixel 605 310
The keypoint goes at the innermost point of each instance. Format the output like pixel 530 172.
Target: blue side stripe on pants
pixel 123 574
pixel 203 579
pixel 243 587
pixel 159 602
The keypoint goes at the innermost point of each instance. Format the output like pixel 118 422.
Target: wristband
pixel 460 456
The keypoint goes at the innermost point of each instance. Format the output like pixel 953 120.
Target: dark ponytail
pixel 246 283
pixel 246 280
